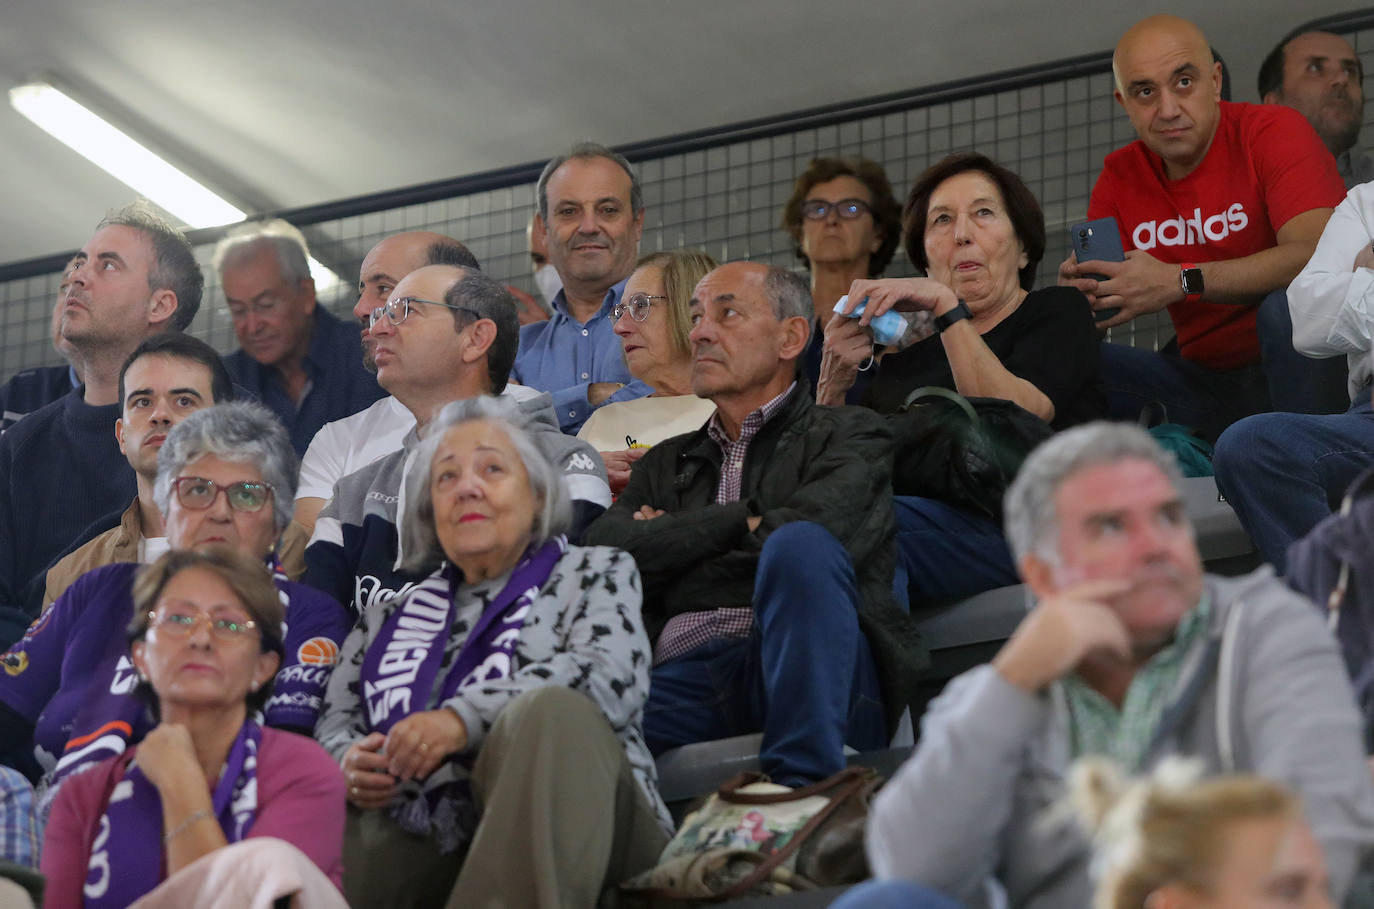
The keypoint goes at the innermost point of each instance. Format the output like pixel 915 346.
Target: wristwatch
pixel 1190 279
pixel 958 314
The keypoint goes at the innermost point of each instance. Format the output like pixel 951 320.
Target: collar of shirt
pixel 752 423
pixel 1125 735
pixel 613 295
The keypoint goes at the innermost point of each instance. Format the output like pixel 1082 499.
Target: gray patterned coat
pixel 583 631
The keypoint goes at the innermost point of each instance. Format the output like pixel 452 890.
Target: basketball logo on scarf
pixel 317 651
pixel 424 615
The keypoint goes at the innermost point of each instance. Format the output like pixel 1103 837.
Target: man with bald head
pixel 765 542
pixel 442 334
pixel 1319 75
pixel 1219 205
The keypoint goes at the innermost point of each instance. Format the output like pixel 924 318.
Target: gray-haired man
pixel 765 543
pixel 298 359
pixel 1133 653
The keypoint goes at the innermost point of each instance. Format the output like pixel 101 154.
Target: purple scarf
pixel 403 660
pixel 402 663
pixel 111 717
pixel 127 857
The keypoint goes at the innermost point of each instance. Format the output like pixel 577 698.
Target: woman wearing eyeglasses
pixel 845 223
pixel 205 642
pixel 652 321
pixel 226 477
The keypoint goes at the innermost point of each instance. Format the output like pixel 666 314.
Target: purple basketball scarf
pixel 111 716
pixel 127 854
pixel 402 663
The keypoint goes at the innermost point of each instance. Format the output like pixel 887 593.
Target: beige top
pixel 647 421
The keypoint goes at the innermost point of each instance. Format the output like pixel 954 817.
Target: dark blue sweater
pixel 60 469
pixel 31 389
pixel 339 385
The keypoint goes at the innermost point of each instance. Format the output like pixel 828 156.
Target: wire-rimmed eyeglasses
pixel 637 304
pixel 397 309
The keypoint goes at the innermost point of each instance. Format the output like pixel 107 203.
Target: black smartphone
pixel 1098 240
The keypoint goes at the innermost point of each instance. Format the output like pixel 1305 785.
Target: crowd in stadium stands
pixel 404 617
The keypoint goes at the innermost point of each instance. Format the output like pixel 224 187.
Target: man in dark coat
pixel 765 544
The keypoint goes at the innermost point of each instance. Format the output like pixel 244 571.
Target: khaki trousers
pixel 562 819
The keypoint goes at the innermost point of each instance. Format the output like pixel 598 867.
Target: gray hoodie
pixel 1264 692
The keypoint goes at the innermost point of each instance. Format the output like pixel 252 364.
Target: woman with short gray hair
pixel 225 479
pixel 242 432
pixel 495 708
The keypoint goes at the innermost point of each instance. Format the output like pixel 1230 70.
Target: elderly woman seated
pixel 652 321
pixel 978 233
pixel 226 477
pixel 495 708
pixel 205 642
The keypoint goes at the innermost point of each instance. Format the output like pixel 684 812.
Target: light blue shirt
pixel 563 356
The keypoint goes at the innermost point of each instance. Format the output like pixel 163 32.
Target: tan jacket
pixel 118 544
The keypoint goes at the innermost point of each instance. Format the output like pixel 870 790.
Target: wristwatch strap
pixel 957 314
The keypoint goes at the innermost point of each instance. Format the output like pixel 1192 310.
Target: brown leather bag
pixel 753 838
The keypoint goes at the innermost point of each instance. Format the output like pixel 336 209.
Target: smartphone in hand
pixel 1098 240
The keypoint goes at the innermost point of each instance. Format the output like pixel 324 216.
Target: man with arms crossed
pixel 764 540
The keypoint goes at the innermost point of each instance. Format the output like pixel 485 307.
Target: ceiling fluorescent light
pixel 123 158
pixel 325 278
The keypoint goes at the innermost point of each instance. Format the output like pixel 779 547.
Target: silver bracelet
pixel 182 827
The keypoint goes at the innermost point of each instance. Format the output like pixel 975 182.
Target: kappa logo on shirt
pixel 1192 231
pixel 15 663
pixel 580 461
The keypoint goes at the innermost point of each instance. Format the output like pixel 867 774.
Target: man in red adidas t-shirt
pixel 1219 205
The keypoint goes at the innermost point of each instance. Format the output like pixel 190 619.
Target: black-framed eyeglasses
pixel 178 621
pixel 198 494
pixel 397 309
pixel 848 209
pixel 637 304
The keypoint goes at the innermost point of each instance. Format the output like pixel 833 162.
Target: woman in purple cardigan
pixel 206 640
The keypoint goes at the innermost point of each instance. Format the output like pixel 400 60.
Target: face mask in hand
pixel 546 279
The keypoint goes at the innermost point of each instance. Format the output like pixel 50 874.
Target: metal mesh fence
pixel 726 199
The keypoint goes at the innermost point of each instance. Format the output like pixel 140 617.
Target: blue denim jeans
pixel 804 676
pixel 1207 400
pixel 946 553
pixel 1297 384
pixel 893 894
pixel 1284 472
pixel 1210 400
